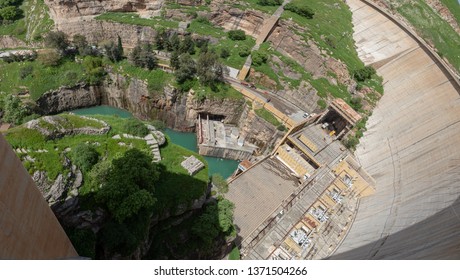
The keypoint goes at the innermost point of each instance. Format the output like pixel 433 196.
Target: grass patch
pixel 42 78
pixel 134 19
pixel 331 28
pixel 156 79
pixel 222 91
pixel 254 4
pixel 234 254
pixel 266 115
pixel 434 29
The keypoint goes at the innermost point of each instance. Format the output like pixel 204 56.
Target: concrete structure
pixel 265 31
pixel 410 148
pixel 221 140
pixel 192 165
pixel 311 193
pixel 28 227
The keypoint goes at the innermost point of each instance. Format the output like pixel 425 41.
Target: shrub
pixel 25 71
pixel 135 127
pixel 85 156
pixel 237 35
pixel 364 73
pixel 203 20
pixel 57 40
pixel 50 58
pixel 224 53
pixel 300 9
pixel 259 58
pixel 270 2
pixel 244 51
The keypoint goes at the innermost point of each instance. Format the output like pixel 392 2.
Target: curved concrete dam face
pixel 411 148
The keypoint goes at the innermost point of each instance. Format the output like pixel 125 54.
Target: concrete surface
pixel 28 227
pixel 411 148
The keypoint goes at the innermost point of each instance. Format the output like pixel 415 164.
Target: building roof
pixel 245 164
pixel 346 111
pixel 258 192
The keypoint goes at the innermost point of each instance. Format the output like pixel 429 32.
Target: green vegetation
pixel 364 73
pixel 220 91
pixel 208 227
pixel 14 111
pixel 433 29
pixel 219 183
pixel 234 254
pixel 134 19
pixel 33 25
pixel 85 156
pixel 42 79
pixel 454 8
pixel 266 115
pixel 256 5
pixel 237 35
pixel 135 127
pixel 156 79
pixel 299 7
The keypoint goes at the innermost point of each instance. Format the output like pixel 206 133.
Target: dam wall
pixel 28 227
pixel 411 148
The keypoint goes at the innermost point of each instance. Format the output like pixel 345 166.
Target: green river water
pixel 224 167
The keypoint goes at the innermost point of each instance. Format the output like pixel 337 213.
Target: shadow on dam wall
pixel 419 241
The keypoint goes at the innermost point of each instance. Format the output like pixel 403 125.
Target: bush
pixel 50 58
pixel 259 58
pixel 244 51
pixel 300 9
pixel 224 53
pixel 94 69
pixel 203 20
pixel 85 156
pixel 219 182
pixel 351 142
pixel 10 13
pixel 143 56
pixel 270 2
pixel 135 127
pixel 57 40
pixel 237 35
pixel 364 73
pixel 25 71
pixel 158 124
pixel 355 103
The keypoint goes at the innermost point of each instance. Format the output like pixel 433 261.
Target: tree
pixel 10 13
pixel 186 70
pixel 143 56
pixel 187 45
pixel 216 221
pixel 113 52
pixel 173 42
pixel 94 69
pixel 209 69
pixel 85 156
pixel 80 43
pixel 119 46
pixel 57 40
pixel 50 58
pixel 99 174
pixel 130 185
pixel 13 110
pixel 160 39
pixel 174 60
pixel 237 35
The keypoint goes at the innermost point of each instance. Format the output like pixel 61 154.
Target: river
pixel 224 167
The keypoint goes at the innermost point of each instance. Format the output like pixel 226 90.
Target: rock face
pixel 178 110
pixel 231 18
